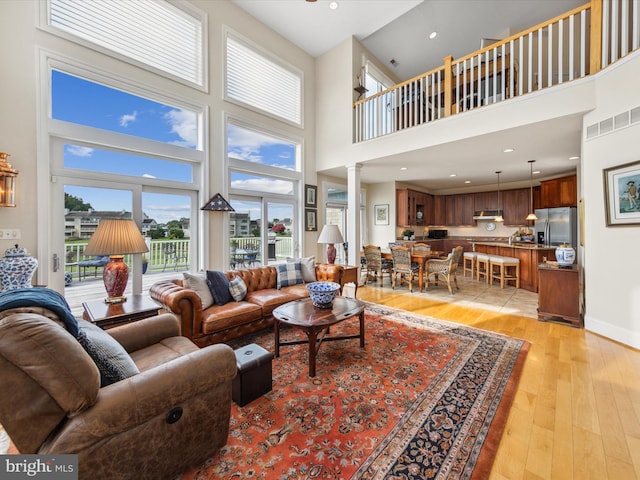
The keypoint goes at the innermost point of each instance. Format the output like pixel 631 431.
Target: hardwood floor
pixel 576 414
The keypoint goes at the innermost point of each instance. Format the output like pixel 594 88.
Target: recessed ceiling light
pixel 433 35
pixel 508 150
pixel 452 175
pixel 333 5
pixel 535 172
pixel 574 158
pixel 467 181
pixel 403 168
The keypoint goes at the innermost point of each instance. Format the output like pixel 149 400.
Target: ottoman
pixel 254 374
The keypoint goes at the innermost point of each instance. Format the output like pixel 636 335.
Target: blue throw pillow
pixel 219 286
pixel 238 289
pixel 289 273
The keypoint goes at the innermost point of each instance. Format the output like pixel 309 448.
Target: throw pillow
pixel 289 274
pixel 199 284
pixel 308 267
pixel 238 289
pixel 112 360
pixel 219 286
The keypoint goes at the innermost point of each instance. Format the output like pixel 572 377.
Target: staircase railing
pixel 570 46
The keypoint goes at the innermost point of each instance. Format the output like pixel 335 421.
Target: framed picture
pixel 381 214
pixel 310 220
pixel 621 194
pixel 310 196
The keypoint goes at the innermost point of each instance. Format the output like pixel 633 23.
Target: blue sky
pixel 79 101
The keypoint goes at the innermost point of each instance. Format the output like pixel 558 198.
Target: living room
pixel 326 145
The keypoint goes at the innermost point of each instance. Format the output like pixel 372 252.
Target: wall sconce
pixel 8 176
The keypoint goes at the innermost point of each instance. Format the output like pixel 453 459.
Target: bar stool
pixel 469 263
pixel 503 273
pixel 482 266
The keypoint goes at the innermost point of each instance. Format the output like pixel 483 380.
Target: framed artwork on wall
pixel 310 196
pixel 621 194
pixel 310 220
pixel 381 214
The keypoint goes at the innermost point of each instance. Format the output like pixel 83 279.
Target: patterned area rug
pixel 424 399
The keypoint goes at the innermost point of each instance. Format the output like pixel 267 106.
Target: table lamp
pixel 331 235
pixel 116 238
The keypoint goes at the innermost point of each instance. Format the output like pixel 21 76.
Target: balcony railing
pixel 571 46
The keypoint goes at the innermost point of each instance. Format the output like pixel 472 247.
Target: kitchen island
pixel 529 254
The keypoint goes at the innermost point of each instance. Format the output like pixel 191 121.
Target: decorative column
pixel 353 215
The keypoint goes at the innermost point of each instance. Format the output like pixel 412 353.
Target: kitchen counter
pixel 529 254
pixel 523 245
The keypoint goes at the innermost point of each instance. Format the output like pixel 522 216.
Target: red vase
pixel 331 253
pixel 115 276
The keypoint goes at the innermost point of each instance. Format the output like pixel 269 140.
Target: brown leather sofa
pixel 220 323
pixel 158 423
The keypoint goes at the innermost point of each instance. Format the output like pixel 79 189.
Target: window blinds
pixel 152 32
pixel 262 83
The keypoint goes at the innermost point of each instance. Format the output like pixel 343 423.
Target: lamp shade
pixel 330 234
pixel 116 238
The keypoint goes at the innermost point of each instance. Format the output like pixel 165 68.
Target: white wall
pixel 611 255
pixel 381 194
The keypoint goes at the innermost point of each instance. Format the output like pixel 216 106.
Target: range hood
pixel 486 214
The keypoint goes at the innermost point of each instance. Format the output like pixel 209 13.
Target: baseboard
pixel 614 332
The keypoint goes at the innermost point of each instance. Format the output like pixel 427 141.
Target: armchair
pixel 446 268
pixel 158 423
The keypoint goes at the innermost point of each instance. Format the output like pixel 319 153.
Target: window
pixel 138 31
pixel 116 152
pixel 265 187
pixel 262 82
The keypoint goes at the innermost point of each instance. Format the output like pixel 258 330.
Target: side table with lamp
pixel 331 235
pixel 116 238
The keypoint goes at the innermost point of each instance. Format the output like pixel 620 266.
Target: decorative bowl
pixel 323 293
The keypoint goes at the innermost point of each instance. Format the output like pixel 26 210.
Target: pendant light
pixel 532 215
pixel 498 217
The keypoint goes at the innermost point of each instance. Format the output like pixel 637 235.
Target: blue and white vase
pixel 565 255
pixel 16 269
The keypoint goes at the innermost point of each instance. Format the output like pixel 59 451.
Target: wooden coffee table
pixel 313 321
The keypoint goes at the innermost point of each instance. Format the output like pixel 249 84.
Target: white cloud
pixel 79 151
pixel 127 118
pixel 263 185
pixel 148 175
pixel 246 144
pixel 185 125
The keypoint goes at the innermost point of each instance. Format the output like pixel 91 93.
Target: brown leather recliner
pixel 171 416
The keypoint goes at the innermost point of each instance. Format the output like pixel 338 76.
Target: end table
pixel 108 315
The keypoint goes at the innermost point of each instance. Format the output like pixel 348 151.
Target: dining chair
pixel 422 248
pixel 446 268
pixel 376 266
pixel 403 268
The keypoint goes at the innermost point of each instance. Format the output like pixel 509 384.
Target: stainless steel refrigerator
pixel 555 226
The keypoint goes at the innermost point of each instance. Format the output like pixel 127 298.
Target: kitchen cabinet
pixel 530 257
pixel 484 201
pixel 449 245
pixel 439 211
pixel 459 210
pixel 516 207
pixel 559 192
pixel 559 294
pixel 411 208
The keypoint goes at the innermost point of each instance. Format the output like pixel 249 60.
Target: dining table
pixel 420 258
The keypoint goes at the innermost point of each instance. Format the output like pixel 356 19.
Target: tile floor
pixel 477 294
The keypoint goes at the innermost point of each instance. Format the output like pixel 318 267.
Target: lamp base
pixel 331 254
pixel 115 277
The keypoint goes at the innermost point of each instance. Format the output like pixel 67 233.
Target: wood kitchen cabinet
pixel 439 211
pixel 459 210
pixel 411 208
pixel 516 207
pixel 559 294
pixel 484 201
pixel 559 192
